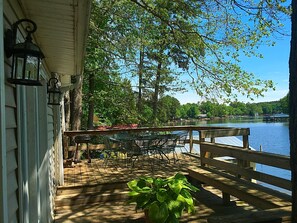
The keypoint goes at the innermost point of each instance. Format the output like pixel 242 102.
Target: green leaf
pixel 158 213
pixel 162 195
pixel 132 184
pixel 172 219
pixel 141 182
pixel 133 193
pixel 176 187
pixel 181 177
pixel 176 208
pixel 143 200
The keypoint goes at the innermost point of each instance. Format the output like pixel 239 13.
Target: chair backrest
pixel 82 139
pixel 182 137
pixel 170 143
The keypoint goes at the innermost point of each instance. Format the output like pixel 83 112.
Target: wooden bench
pixel 239 178
pixel 275 215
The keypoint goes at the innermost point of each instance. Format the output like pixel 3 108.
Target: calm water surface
pixel 273 137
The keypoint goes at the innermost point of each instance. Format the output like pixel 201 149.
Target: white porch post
pixel 3 166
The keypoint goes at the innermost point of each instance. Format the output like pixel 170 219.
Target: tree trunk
pixel 140 81
pixel 66 111
pixel 293 109
pixel 156 93
pixel 76 107
pixel 91 101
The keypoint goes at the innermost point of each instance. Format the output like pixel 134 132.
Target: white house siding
pixel 51 149
pixel 44 174
pixel 55 153
pixel 11 149
pixel 3 161
pixel 11 155
pixel 28 143
pixel 31 158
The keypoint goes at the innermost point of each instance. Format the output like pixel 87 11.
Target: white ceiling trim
pixel 62 30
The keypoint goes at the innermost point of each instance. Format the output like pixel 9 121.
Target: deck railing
pixel 203 132
pixel 240 167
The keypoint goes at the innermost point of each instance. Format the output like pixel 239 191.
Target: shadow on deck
pixel 98 193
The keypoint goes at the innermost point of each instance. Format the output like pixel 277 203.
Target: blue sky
pixel 274 66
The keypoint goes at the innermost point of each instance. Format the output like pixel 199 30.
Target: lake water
pixel 273 137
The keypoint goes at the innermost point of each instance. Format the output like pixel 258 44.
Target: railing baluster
pixel 191 140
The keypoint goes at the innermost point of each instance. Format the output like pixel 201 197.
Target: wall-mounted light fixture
pixel 53 91
pixel 26 56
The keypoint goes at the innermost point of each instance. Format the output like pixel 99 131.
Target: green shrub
pixel 164 200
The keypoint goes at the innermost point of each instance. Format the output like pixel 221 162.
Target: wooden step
pixel 77 190
pixel 80 201
pixel 88 195
pixel 114 211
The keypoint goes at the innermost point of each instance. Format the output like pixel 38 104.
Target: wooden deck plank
pixel 96 172
pixel 208 203
pixel 83 181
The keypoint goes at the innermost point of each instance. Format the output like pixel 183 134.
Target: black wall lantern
pixel 26 56
pixel 53 91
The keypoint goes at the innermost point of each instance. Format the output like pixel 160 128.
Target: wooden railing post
pixel 202 151
pixel 65 141
pixel 245 140
pixel 246 145
pixel 212 140
pixel 191 140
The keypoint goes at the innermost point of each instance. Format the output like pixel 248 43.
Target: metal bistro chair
pixel 112 149
pixel 130 148
pixel 79 140
pixel 168 147
pixel 147 147
pixel 181 141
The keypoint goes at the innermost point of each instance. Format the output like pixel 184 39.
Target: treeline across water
pixel 170 109
pixel 210 109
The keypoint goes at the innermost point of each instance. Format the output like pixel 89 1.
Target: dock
pixel 276 118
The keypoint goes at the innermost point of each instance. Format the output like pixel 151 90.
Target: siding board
pixel 11 142
pixel 12 184
pixel 12 197
pixel 10 96
pixel 10 118
pixel 11 129
pixel 11 162
pixel 13 219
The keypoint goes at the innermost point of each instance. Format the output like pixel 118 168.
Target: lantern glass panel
pixel 31 72
pixel 18 68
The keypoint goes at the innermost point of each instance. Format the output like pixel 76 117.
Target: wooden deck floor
pixel 73 199
pixel 119 170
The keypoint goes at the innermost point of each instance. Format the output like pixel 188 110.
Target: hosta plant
pixel 163 200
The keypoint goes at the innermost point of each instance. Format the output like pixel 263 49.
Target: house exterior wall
pixel 3 132
pixel 30 138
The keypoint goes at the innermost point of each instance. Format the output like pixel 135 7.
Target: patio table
pixel 148 145
pixel 165 146
pixel 133 145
